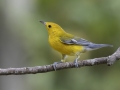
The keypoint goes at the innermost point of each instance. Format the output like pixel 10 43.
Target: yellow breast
pixel 65 48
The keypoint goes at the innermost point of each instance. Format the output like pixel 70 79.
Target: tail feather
pixel 93 46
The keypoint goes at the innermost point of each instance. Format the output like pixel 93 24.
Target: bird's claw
pixel 55 65
pixel 76 63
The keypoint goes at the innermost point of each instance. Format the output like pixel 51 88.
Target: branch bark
pixel 109 60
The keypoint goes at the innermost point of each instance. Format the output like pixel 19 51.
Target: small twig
pixel 47 68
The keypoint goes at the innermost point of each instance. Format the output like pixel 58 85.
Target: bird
pixel 68 44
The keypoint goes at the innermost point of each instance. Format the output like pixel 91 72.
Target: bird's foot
pixel 55 65
pixel 76 63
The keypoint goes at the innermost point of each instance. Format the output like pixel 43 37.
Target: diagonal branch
pixel 47 68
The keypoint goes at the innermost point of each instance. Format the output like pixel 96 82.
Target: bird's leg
pixel 76 60
pixel 63 57
pixel 62 61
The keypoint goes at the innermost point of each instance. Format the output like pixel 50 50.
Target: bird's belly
pixel 66 48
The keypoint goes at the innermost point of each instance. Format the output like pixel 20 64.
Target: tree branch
pixel 47 68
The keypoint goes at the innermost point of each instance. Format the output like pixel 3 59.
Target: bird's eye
pixel 49 26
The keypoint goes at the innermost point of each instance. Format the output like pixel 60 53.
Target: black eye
pixel 49 26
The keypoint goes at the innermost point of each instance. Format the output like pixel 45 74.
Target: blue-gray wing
pixel 87 44
pixel 75 41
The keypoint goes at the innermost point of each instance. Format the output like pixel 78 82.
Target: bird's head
pixel 53 28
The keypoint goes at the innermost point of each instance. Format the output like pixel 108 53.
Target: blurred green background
pixel 24 42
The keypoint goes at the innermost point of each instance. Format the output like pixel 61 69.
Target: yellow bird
pixel 68 44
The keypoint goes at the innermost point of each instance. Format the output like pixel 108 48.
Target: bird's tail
pixel 93 46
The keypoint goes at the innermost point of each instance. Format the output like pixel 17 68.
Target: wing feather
pixel 75 41
pixel 83 42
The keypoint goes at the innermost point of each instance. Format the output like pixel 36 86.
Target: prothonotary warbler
pixel 68 44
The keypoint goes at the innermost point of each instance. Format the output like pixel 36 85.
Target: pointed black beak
pixel 43 22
